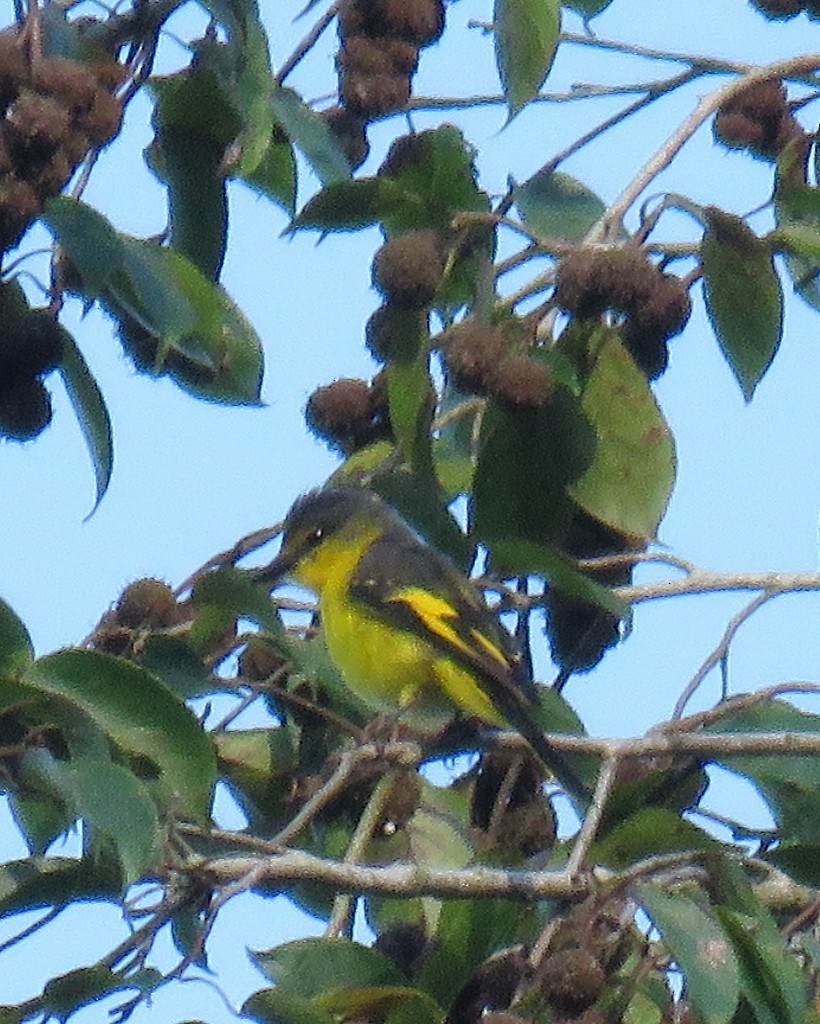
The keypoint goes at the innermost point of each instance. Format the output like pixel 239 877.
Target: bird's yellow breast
pixel 388 667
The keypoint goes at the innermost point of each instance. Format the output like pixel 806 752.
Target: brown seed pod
pixel 406 944
pixel 407 269
pixel 765 105
pixel 103 119
pixel 12 67
pixel 420 22
pixel 53 175
pixel 520 382
pixel 371 95
pixel 778 10
pixel 66 80
pixel 25 409
pixel 394 331
pixel 571 980
pixel 361 53
pixel 406 151
pixel 471 351
pixel 662 315
pixel 350 131
pixel 147 603
pixel 590 281
pixel 76 146
pixel 35 126
pixel 19 205
pixel 343 415
pixel 30 347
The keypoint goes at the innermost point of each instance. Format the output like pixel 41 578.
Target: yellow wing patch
pixel 436 613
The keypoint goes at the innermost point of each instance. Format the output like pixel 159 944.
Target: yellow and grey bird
pixel 403 625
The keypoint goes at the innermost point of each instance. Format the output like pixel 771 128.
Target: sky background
pixel 190 478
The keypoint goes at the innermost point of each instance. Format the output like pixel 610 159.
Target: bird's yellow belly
pixel 391 669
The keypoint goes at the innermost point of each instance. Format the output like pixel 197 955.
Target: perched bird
pixel 404 626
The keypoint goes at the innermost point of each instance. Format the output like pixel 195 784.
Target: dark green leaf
pixel 140 715
pixel 274 1006
pixel 39 817
pixel 556 205
pixel 629 481
pixel 314 967
pixel 352 204
pixel 149 287
pixel 176 663
pixel 467 933
pixel 770 976
pixel 519 558
pixel 649 832
pixel 311 134
pixel 587 8
pixel 87 239
pixel 531 452
pixel 260 764
pixel 245 63
pixel 744 298
pixel 55 882
pixel 65 994
pixel 16 650
pixel 526 38
pixel 789 783
pixel 275 174
pixel 799 860
pixel 91 412
pixel 411 403
pixel 198 197
pixel 701 950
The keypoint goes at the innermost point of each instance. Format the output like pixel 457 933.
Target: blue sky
pixel 190 478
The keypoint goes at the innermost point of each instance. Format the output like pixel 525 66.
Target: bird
pixel 404 626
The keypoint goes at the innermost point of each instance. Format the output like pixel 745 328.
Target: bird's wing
pixel 411 587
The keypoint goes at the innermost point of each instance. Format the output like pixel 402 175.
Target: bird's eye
pixel 315 536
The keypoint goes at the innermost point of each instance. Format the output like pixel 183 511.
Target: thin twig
pixel 720 655
pixel 304 46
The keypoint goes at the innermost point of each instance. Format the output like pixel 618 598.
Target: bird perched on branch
pixel 405 627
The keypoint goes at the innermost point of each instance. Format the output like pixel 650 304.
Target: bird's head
pixel 324 533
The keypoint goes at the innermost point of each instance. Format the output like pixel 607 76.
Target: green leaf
pixel 55 882
pixel 790 784
pixel 468 932
pixel 274 1006
pixel 275 174
pixel 701 950
pixel 411 402
pixel 744 298
pixel 260 764
pixel 174 660
pixel 797 209
pixel 39 817
pixel 770 976
pixel 91 412
pixel 556 205
pixel 245 62
pixel 311 134
pixel 205 342
pixel 140 715
pixel 16 650
pixel 198 198
pixel 647 833
pixel 87 239
pixel 147 285
pixel 314 967
pixel 629 481
pixel 117 806
pixel 519 558
pixel 587 8
pixel 771 979
pixel 353 204
pixel 534 451
pixel 526 38
pixel 67 993
pixel 799 860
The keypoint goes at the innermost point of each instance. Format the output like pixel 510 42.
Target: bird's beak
pixel 277 569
